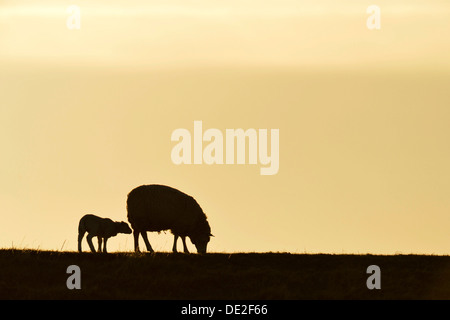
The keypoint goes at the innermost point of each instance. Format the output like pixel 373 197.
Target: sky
pixel 87 114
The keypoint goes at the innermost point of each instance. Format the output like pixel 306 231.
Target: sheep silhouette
pixel 159 207
pixel 102 228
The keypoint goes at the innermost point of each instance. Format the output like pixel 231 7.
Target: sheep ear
pixel 211 235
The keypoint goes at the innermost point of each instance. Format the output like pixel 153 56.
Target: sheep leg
pixel 147 243
pixel 99 243
pixel 136 240
pixel 89 240
pixel 104 245
pixel 174 248
pixel 183 238
pixel 80 238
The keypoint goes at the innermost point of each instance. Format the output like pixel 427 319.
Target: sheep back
pixel 159 207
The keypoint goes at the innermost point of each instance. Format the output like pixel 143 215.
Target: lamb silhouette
pixel 102 228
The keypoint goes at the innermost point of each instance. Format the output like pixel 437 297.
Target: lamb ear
pixel 211 235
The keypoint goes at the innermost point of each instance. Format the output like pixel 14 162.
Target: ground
pixel 33 274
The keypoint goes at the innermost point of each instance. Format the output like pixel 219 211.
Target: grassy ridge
pixel 31 274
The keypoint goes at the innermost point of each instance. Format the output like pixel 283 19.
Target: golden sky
pixel 87 115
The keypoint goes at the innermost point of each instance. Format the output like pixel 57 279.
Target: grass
pixel 34 274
